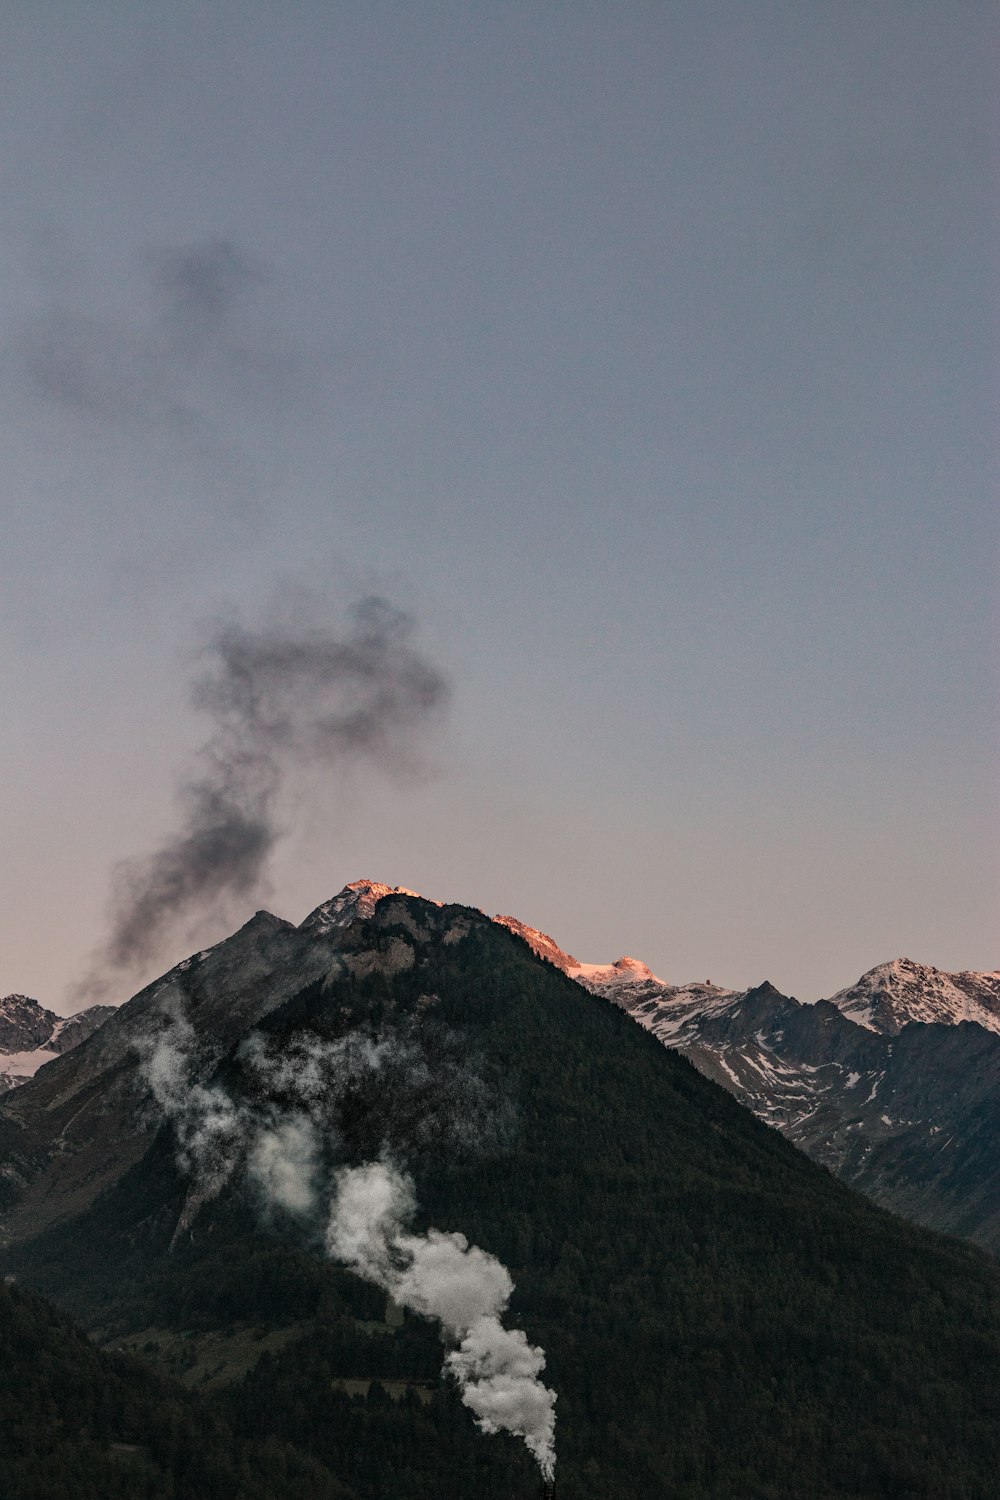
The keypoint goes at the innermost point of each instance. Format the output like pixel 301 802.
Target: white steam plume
pixel 283 1161
pixel 438 1275
pixel 280 1144
pixel 215 1134
pixel 210 1128
pixel 466 1289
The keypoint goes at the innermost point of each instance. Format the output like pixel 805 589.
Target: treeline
pixel 81 1423
pixel 722 1319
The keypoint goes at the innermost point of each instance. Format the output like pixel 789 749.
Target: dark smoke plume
pixel 199 285
pixel 279 698
pixel 147 365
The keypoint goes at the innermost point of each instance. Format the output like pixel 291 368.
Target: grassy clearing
pixel 208 1361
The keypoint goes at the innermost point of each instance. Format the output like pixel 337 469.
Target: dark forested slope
pixel 81 1423
pixel 721 1317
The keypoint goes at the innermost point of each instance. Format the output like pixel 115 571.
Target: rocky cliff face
pixel 24 1024
pixel 76 1128
pixel 83 1122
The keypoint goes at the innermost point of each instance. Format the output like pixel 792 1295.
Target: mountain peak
pixel 624 970
pixel 632 968
pixel 766 991
pixel 31 1036
pixel 892 994
pixel 358 899
pixel 23 1023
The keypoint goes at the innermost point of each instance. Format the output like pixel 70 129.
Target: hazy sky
pixel 644 353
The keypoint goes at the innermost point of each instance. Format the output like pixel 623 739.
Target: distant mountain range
pixel 31 1036
pixel 892 1083
pixel 894 995
pixel 719 1316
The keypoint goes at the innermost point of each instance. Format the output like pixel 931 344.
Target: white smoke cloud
pixel 438 1274
pixel 318 1072
pixel 497 1371
pixel 442 1276
pixel 210 1128
pixel 451 1280
pixel 283 1162
pixel 166 1060
pixel 281 1147
pixel 215 1135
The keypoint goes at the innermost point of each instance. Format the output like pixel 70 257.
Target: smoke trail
pixel 278 698
pixel 306 1101
pixel 416 1087
pixel 283 1161
pixel 215 1136
pixel 163 361
pixel 198 286
pixel 466 1289
pixel 281 1143
pixel 210 1128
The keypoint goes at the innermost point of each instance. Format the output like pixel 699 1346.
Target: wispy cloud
pixel 168 356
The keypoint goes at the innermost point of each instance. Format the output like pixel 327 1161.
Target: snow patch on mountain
pixel 625 973
pixel 31 1036
pixel 892 995
pixel 18 1067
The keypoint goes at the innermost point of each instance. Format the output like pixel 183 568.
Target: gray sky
pixel 644 353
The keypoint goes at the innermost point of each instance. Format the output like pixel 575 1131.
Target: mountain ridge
pixel 913 1124
pixel 891 995
pixel 890 1117
pixel 669 1253
pixel 892 1083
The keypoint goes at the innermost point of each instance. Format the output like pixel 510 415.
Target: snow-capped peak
pixel 358 899
pixel 891 995
pixel 624 970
